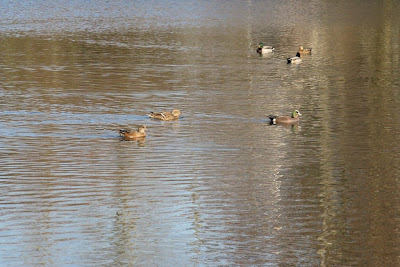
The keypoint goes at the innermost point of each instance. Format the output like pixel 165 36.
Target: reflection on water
pixel 220 186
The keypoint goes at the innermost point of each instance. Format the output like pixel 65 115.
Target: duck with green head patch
pixel 293 118
pixel 264 49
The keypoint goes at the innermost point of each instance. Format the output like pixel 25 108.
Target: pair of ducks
pixel 297 59
pixel 293 60
pixel 140 133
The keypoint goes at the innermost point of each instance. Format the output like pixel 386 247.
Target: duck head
pixel 296 114
pixel 142 129
pixel 176 112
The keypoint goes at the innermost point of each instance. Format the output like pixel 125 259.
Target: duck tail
pixel 289 60
pixel 122 132
pixel 272 119
pixel 151 114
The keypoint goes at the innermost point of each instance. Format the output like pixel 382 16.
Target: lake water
pixel 219 186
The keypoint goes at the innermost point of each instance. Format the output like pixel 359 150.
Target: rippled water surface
pixel 219 186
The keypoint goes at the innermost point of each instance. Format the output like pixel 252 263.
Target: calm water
pixel 220 186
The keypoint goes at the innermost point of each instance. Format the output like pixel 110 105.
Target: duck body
pixel 264 49
pixel 293 118
pixel 165 115
pixel 294 60
pixel 133 134
pixel 305 51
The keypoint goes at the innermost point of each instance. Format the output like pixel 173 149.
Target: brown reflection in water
pixel 359 189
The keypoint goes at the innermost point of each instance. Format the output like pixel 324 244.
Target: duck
pixel 304 51
pixel 294 60
pixel 293 118
pixel 165 115
pixel 140 133
pixel 264 49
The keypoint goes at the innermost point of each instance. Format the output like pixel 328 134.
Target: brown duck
pixel 293 118
pixel 165 115
pixel 305 51
pixel 140 133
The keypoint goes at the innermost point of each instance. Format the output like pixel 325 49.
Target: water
pixel 220 186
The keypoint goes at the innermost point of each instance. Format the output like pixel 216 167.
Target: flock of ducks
pixel 262 49
pixel 293 118
pixel 140 133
